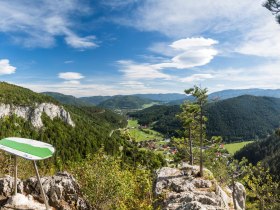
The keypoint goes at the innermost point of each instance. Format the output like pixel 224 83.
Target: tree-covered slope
pixel 240 118
pixel 95 100
pixel 92 125
pixel 248 117
pixel 267 150
pixel 16 95
pixel 164 97
pixel 92 130
pixel 125 102
pixel 67 99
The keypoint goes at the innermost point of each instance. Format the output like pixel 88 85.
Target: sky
pixel 110 47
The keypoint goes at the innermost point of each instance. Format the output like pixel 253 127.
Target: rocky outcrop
pixel 240 195
pixel 62 192
pixel 34 113
pixel 181 188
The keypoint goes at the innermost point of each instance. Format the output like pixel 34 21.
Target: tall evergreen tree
pixel 200 95
pixel 189 117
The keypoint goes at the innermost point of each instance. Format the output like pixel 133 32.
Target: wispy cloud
pixel 197 78
pixel 186 53
pixel 70 75
pixel 38 23
pixel 6 67
pixel 134 70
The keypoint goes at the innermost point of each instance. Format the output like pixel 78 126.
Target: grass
pixel 234 147
pixel 142 134
pixel 149 105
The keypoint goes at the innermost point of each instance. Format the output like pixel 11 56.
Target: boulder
pixel 62 191
pixel 182 188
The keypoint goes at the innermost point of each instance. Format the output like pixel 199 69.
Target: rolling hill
pixel 67 99
pixel 91 128
pixel 125 102
pixel 235 119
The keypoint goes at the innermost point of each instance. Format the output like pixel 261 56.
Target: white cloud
pixel 134 70
pixel 80 90
pixel 132 84
pixel 192 17
pixel 245 25
pixel 6 68
pixel 197 77
pixel 72 82
pixel 262 41
pixel 79 42
pixel 186 53
pixel 70 76
pixel 38 23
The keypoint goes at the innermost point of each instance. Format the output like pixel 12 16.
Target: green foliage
pixel 67 99
pixel 12 94
pixel 261 187
pixel 108 186
pixel 125 102
pixel 161 118
pixel 267 151
pixel 95 100
pixel 235 119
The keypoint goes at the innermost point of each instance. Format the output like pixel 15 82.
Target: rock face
pixel 181 188
pixel 240 195
pixel 62 192
pixel 34 113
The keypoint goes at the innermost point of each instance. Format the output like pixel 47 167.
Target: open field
pixel 142 134
pixel 234 147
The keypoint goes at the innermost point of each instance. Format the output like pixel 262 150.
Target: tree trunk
pixel 201 142
pixel 190 145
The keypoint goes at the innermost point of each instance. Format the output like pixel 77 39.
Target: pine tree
pixel 200 96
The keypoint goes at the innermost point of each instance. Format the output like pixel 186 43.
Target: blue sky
pixel 109 47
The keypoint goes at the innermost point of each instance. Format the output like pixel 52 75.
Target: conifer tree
pixel 200 96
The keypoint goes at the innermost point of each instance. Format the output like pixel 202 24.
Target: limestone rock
pixel 62 191
pixel 240 196
pixel 20 201
pixel 34 113
pixel 7 185
pixel 181 188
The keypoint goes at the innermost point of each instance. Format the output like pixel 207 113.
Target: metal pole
pixel 15 174
pixel 41 187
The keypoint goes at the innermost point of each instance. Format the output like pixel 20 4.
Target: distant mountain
pixel 95 100
pixel 240 118
pixel 67 99
pixel 231 93
pixel 125 102
pixel 225 94
pixel 166 97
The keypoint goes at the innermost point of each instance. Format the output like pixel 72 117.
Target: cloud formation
pixel 38 23
pixel 70 75
pixel 184 54
pixel 6 68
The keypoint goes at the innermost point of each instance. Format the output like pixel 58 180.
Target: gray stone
pixel 240 195
pixel 180 188
pixel 34 113
pixel 62 191
pixel 7 186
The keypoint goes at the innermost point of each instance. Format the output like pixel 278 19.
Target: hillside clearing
pixel 234 147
